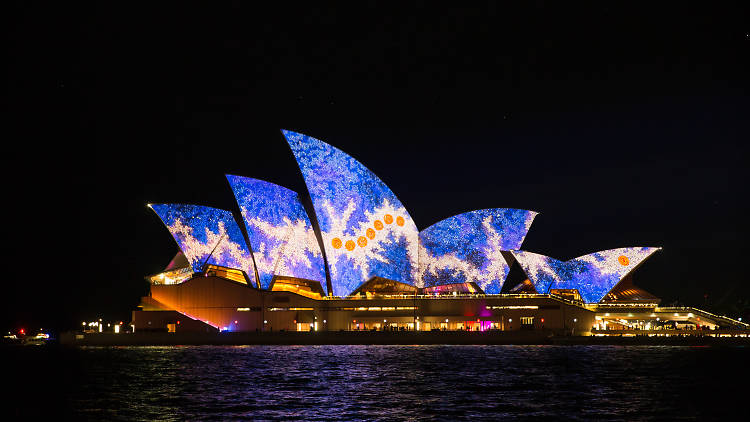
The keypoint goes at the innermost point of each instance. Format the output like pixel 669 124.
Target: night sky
pixel 622 125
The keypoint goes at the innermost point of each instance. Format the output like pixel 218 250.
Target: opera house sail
pixel 366 230
pixel 206 235
pixel 593 275
pixel 280 233
pixel 467 247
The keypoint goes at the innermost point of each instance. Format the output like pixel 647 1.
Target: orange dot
pixel 400 220
pixel 624 260
pixel 378 225
pixel 388 219
pixel 336 242
pixel 371 233
pixel 362 241
pixel 350 245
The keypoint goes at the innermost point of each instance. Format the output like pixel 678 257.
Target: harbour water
pixel 377 382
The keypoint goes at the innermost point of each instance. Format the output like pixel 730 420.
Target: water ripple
pixel 387 382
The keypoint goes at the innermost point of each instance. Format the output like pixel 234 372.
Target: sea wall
pixel 378 337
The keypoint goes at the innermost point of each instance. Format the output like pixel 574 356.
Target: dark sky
pixel 622 125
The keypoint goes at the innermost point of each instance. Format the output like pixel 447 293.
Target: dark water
pixel 378 383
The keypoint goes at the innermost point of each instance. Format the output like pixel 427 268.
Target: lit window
pixel 515 307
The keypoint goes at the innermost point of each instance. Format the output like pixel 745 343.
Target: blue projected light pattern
pixel 280 233
pixel 200 230
pixel 594 275
pixel 366 230
pixel 466 247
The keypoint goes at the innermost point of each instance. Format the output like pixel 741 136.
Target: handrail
pixel 423 296
pixel 460 296
pixel 701 311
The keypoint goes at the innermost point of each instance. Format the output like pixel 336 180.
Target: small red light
pixel 235 321
pixel 178 322
pixel 355 320
pixel 542 320
pixel 22 331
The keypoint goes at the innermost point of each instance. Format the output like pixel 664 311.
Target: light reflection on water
pixel 398 382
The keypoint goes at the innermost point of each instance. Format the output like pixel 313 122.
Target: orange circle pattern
pixel 623 260
pixel 370 233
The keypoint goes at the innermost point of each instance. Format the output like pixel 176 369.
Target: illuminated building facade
pixel 366 230
pixel 593 275
pixel 206 235
pixel 358 262
pixel 279 231
pixel 467 247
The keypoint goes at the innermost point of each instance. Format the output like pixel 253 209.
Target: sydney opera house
pixel 358 262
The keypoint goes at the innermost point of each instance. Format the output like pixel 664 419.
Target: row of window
pixel 361 308
pixel 377 308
